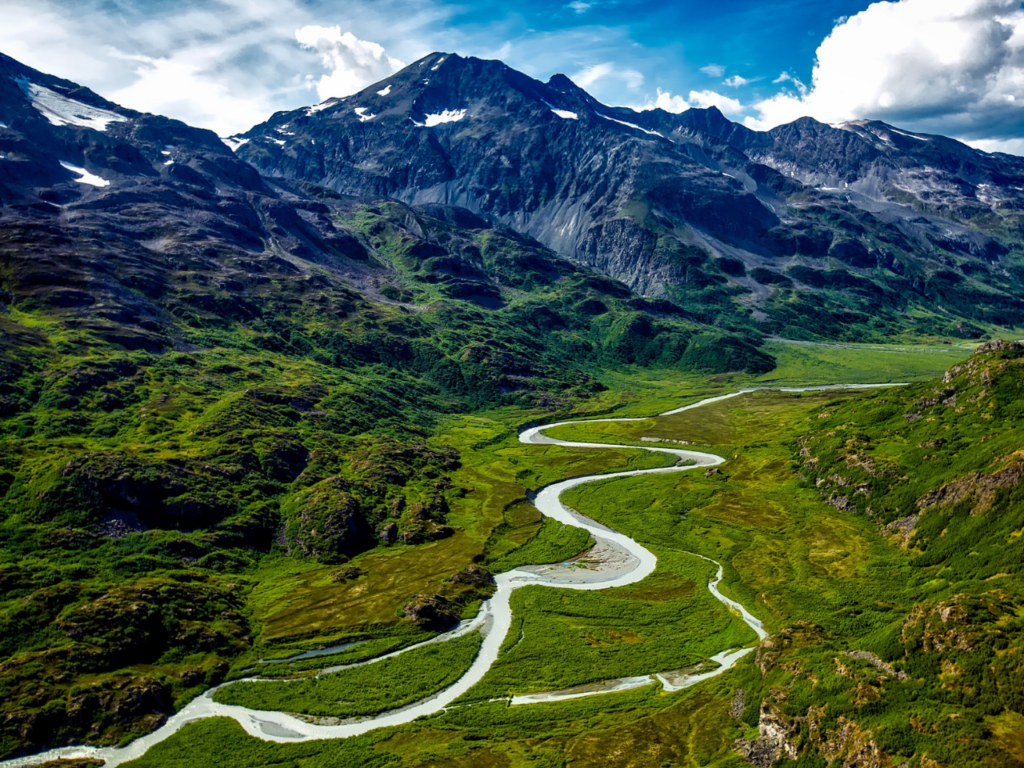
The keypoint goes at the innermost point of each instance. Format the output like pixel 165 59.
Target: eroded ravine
pixel 494 620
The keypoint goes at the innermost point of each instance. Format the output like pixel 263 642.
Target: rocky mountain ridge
pixel 853 224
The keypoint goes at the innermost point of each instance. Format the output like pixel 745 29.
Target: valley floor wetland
pixel 616 560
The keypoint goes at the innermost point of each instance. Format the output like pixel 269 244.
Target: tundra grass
pixel 635 728
pixel 297 599
pixel 806 362
pixel 365 689
pixel 565 638
pixel 552 542
pixel 718 428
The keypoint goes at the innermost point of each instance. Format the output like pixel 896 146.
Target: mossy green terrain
pixel 876 649
pixel 562 638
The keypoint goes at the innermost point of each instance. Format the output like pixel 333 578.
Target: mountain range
pixel 851 232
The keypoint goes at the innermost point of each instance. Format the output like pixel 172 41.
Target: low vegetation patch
pixel 366 689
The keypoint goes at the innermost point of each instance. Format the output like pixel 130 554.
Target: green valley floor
pixel 862 666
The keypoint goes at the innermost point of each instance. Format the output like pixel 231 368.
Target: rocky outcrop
pixel 736 706
pixel 847 745
pixel 473 577
pixel 982 488
pixel 956 624
pixel 773 742
pixel 433 612
pixel 902 530
pixel 877 663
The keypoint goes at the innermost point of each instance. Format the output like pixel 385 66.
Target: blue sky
pixel 945 66
pixel 669 43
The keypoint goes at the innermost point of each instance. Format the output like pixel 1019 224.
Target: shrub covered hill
pixel 200 365
pixel 939 665
pixel 851 232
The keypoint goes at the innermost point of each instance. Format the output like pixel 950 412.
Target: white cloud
pixel 352 63
pixel 240 61
pixel 218 64
pixel 705 99
pixel 667 102
pixel 785 77
pixel 607 70
pixel 736 81
pixel 714 70
pixel 702 99
pixel 170 86
pixel 943 66
pixel 579 7
pixel 1009 146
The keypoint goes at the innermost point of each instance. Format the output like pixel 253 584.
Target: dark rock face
pixel 545 159
pixel 433 612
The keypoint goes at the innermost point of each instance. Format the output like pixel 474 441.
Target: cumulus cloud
pixel 714 70
pixel 705 99
pixel 946 66
pixel 785 77
pixel 587 76
pixel 352 63
pixel 1008 146
pixel 736 81
pixel 667 102
pixel 170 86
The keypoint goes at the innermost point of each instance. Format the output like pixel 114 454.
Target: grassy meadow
pixel 366 689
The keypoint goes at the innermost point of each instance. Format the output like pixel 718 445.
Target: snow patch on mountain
pixel 630 125
pixel 563 113
pixel 84 177
pixel 384 91
pixel 235 144
pixel 448 116
pixel 310 111
pixel 908 135
pixel 62 111
pixel 361 113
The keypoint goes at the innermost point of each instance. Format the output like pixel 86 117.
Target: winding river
pixel 632 563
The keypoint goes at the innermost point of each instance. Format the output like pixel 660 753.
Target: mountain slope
pixel 937 466
pixel 864 228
